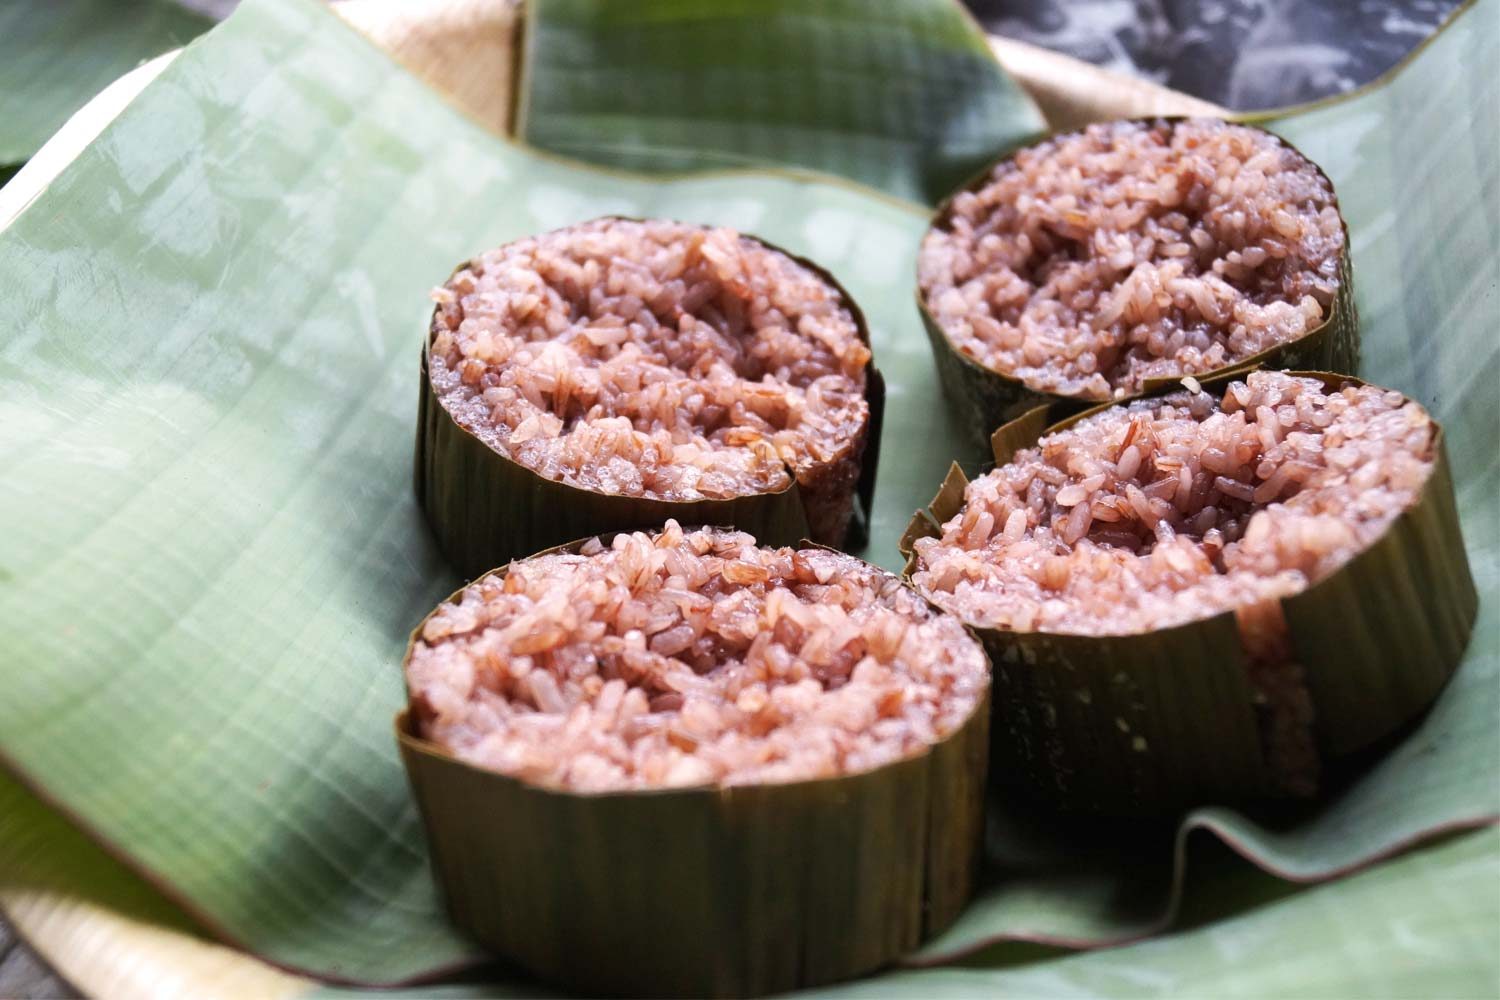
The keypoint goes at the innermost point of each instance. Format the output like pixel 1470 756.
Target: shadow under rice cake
pixel 1203 595
pixel 683 763
pixel 617 373
pixel 1086 264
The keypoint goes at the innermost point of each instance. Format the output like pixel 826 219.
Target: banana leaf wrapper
pixel 486 509
pixel 1154 722
pixel 983 398
pixel 732 891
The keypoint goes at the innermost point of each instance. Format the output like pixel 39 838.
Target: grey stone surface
pixel 1243 54
pixel 24 975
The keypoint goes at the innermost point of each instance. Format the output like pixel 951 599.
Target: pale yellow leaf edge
pixel 460 47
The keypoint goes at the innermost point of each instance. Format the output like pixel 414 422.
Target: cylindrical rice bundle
pixel 618 373
pixel 1094 263
pixel 683 764
pixel 1207 595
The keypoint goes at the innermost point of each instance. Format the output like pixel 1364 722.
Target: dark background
pixel 1242 54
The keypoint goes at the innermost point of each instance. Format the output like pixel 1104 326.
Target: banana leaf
pixel 212 554
pixel 1422 907
pixel 903 95
pixel 1422 930
pixel 56 54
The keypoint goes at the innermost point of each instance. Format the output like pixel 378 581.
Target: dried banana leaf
pixel 984 398
pixel 487 509
pixel 1156 721
pixel 735 891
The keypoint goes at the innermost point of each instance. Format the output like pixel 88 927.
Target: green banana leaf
pixel 1405 243
pixel 1422 930
pixel 903 95
pixel 211 555
pixel 56 54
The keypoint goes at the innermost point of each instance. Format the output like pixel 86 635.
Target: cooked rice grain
pixel 660 360
pixel 1094 260
pixel 690 658
pixel 1165 511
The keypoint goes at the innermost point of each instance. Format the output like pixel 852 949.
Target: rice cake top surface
pixel 1095 260
pixel 1164 511
pixel 690 658
pixel 651 358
